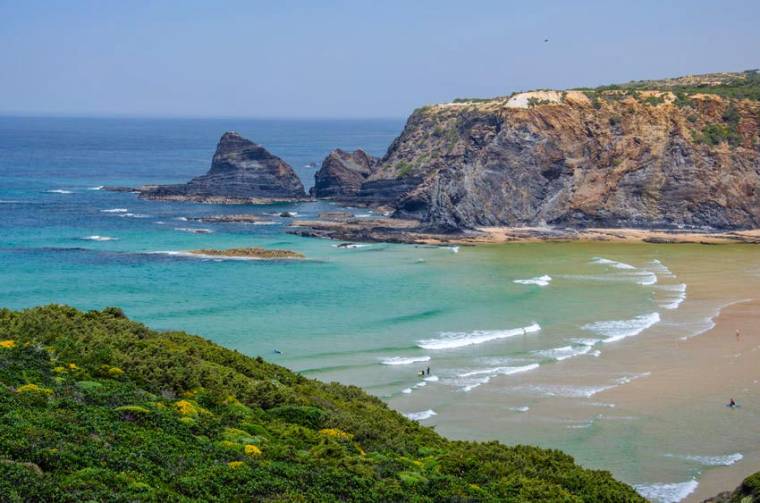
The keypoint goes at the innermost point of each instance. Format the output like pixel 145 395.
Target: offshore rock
pixel 241 172
pixel 342 174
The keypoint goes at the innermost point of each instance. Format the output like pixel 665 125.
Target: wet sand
pixel 711 368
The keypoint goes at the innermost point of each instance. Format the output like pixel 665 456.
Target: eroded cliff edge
pixel 681 153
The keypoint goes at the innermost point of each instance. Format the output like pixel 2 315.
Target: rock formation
pixel 342 174
pixel 241 171
pixel 671 154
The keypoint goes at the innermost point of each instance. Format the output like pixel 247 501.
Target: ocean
pixel 523 343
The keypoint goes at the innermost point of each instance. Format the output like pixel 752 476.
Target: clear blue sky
pixel 358 58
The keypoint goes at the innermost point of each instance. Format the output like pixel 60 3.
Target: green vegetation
pixel 744 85
pixel 715 134
pixel 403 168
pixel 97 407
pixel 534 102
pixel 653 100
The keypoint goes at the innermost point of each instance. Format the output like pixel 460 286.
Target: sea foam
pixel 115 210
pixel 676 296
pixel 611 263
pixel 451 340
pixel 538 281
pixel 99 238
pixel 422 415
pixel 727 460
pixel 468 381
pixel 667 493
pixel 615 330
pixel 58 191
pixel 564 352
pixel 400 360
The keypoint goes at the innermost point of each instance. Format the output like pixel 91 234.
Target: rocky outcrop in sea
pixel 241 172
pixel 342 174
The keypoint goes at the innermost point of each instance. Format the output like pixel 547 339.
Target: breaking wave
pixel 472 379
pixel 615 330
pixel 58 191
pixel 400 360
pixel 422 415
pixel 450 340
pixel 115 210
pixel 539 281
pixel 611 263
pixel 667 493
pixel 727 460
pixel 677 294
pixel 564 352
pixel 99 238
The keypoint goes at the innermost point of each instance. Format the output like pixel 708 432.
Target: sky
pixel 346 59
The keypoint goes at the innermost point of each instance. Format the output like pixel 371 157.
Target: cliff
pixel 99 408
pixel 342 174
pixel 678 153
pixel 241 171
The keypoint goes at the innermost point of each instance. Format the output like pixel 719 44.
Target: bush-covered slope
pixel 94 406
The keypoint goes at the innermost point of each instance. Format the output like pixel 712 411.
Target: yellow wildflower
pixel 252 450
pixel 7 344
pixel 185 408
pixel 235 464
pixel 59 370
pixel 115 372
pixel 336 433
pixel 73 366
pixel 33 388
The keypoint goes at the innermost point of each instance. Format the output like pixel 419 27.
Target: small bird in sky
pixel 546 40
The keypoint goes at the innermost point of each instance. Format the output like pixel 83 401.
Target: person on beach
pixel 732 403
pixel 738 334
pixel 428 371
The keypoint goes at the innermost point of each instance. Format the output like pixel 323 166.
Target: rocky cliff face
pixel 241 171
pixel 613 157
pixel 342 174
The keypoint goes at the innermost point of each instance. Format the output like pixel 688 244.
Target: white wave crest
pixel 539 281
pixel 422 415
pixel 99 238
pixel 193 230
pixel 611 263
pixel 660 268
pixel 58 191
pixel 469 380
pixel 564 390
pixel 450 340
pixel 406 391
pixel 564 352
pixel 132 215
pixel 677 294
pixel 115 210
pixel 615 330
pixel 523 408
pixel 400 360
pixel 432 379
pixel 99 187
pixel 727 460
pixel 667 493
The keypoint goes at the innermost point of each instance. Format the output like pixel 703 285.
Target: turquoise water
pixel 516 361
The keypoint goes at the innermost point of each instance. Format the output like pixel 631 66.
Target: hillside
pixel 674 153
pixel 97 407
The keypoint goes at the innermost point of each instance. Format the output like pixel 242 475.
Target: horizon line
pixel 48 115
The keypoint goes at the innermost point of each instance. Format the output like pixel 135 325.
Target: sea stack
pixel 241 172
pixel 342 174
